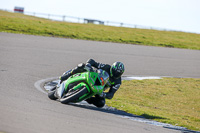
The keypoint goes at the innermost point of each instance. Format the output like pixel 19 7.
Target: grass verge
pixel 19 23
pixel 169 100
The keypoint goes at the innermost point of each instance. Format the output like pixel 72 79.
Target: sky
pixel 180 15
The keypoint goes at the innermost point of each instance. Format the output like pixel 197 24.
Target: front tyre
pixel 74 95
pixel 51 94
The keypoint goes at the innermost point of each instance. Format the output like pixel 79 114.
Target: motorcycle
pixel 80 86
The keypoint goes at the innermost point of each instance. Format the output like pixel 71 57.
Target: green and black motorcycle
pixel 80 86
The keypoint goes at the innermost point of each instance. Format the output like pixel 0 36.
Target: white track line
pixel 39 82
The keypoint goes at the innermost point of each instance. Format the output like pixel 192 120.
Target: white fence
pixel 83 20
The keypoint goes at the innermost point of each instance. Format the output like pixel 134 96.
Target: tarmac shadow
pixel 143 118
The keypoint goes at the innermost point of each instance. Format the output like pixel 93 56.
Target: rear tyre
pixel 74 95
pixel 51 94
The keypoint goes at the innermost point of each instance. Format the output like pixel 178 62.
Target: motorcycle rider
pixel 115 71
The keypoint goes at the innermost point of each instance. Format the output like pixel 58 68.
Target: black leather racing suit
pixel 113 83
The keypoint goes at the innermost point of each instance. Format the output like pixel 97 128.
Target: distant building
pixel 19 9
pixel 93 21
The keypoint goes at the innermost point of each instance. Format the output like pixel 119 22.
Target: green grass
pixel 19 23
pixel 170 100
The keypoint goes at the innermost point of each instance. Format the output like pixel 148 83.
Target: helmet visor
pixel 116 74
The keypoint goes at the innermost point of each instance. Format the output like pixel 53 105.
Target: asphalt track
pixel 26 59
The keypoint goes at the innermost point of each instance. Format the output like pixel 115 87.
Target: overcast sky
pixel 183 15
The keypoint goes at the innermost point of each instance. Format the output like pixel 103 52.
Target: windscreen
pixel 103 75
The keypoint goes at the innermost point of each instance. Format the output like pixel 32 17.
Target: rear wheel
pixel 73 95
pixel 51 94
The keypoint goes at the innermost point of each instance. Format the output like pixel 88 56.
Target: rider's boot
pixel 97 101
pixel 78 69
pixel 66 76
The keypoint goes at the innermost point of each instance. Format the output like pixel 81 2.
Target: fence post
pixel 107 22
pixel 135 26
pixel 64 18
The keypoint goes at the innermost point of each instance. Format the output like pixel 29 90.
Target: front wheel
pixel 51 94
pixel 74 95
